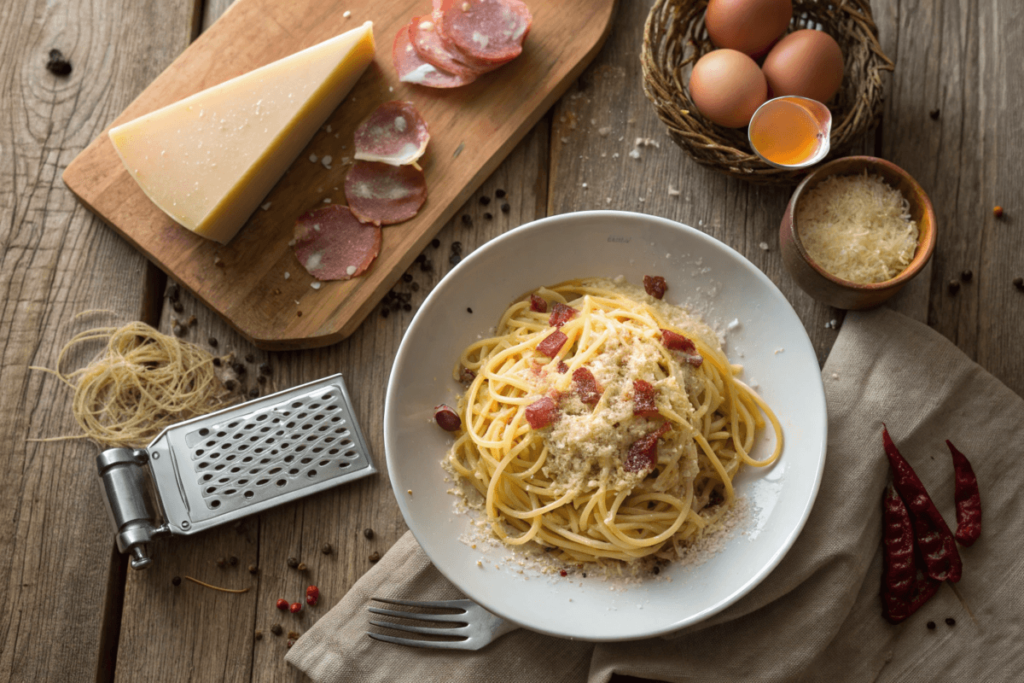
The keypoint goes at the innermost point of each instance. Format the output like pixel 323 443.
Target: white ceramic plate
pixel 702 273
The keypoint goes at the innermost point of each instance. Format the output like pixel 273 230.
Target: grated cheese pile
pixel 858 228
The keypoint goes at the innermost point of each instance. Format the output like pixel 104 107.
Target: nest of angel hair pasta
pixel 675 38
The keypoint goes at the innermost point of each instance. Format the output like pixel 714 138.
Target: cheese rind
pixel 209 160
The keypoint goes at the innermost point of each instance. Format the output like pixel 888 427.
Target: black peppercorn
pixel 415 286
pixel 406 307
pixel 58 64
pixel 435 243
pixel 505 208
pixel 253 569
pixel 950 621
pixel 407 277
pixel 216 362
pixel 930 625
pixel 261 379
pixel 254 393
pixel 179 330
pixel 249 358
pixel 233 561
pixel 485 200
pixel 426 266
pixel 178 308
pixel 421 258
pixel 238 368
pixel 264 369
pixel 212 341
pixel 469 310
pixel 230 385
pixel 454 259
pixel 934 113
pixel 954 286
pixel 292 562
pixel 176 581
pixel 258 635
pixel 221 562
pixel 276 629
pixel 967 275
pixel 1019 283
pixel 368 532
pixel 385 312
pixel 488 216
pixel 374 556
pixel 499 193
pixel 657 569
pixel 467 219
pixel 326 549
pixel 457 247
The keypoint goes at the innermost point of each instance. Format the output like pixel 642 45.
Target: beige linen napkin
pixel 818 615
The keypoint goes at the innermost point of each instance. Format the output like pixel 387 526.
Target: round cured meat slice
pixel 490 30
pixel 428 44
pixel 394 133
pixel 412 68
pixel 332 245
pixel 383 194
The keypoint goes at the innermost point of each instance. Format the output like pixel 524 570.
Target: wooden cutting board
pixel 472 128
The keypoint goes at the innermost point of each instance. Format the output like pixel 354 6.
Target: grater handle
pixel 120 471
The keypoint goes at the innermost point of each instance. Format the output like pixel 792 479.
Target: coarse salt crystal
pixel 763 246
pixel 315 285
pixel 350 270
pixel 312 158
pixel 287 275
pixel 326 161
pixel 266 207
pixel 673 192
pixel 346 14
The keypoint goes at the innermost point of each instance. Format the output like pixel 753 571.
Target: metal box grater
pixel 233 463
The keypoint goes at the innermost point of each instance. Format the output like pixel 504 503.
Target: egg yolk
pixel 786 134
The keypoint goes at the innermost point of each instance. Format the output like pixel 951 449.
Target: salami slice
pixel 383 194
pixel 332 245
pixel 412 68
pixel 394 133
pixel 429 46
pixel 490 30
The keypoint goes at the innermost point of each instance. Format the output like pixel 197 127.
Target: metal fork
pixel 476 627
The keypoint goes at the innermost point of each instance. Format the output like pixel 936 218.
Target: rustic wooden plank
pixel 59 574
pixel 957 59
pixel 595 128
pixel 473 128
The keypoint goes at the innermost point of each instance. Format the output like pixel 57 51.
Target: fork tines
pixel 461 631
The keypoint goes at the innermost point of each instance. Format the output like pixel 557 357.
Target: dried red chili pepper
pixel 934 539
pixel 903 593
pixel 968 498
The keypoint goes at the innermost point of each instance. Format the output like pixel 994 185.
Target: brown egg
pixel 727 87
pixel 750 26
pixel 806 63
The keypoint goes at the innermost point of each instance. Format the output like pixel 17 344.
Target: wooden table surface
pixel 72 611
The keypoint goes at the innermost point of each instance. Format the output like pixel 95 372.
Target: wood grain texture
pixel 958 59
pixel 58 573
pixel 473 128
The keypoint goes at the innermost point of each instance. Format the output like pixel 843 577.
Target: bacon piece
pixel 537 304
pixel 552 344
pixel 585 384
pixel 383 194
pixel 446 418
pixel 560 314
pixel 332 245
pixel 643 399
pixel 695 360
pixel 394 133
pixel 412 68
pixel 655 285
pixel 488 30
pixel 677 342
pixel 424 36
pixel 643 454
pixel 542 413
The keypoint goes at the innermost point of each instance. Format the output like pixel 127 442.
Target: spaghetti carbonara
pixel 603 424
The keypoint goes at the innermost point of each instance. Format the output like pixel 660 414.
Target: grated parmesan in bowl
pixel 858 228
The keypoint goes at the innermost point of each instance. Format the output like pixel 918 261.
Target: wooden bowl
pixel 826 287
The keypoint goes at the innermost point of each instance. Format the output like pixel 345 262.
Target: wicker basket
pixel 675 38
